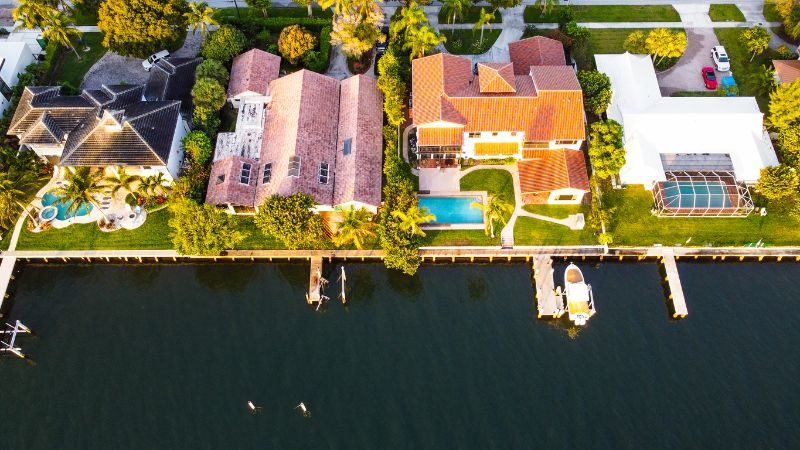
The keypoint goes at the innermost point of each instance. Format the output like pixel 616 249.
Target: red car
pixel 709 78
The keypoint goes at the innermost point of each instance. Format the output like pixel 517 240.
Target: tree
pixel 391 83
pixel 211 68
pixel 497 4
pixel 596 88
pixel 784 106
pixel 756 39
pixel 400 248
pixel 778 183
pixel 422 40
pixel 576 32
pixel 546 5
pixel 199 17
pixel 483 19
pixel 789 142
pixel 153 185
pixel 82 188
pixel 496 209
pixel 357 32
pixel 295 42
pixel 122 181
pixel 292 220
pixel 208 96
pixel 763 80
pixel 412 218
pixel 262 5
pixel 199 147
pixel 454 9
pixel 636 43
pixel 140 28
pixel 307 4
pixel 14 186
pixel 202 229
pixel 58 27
pixel 356 227
pixel 606 149
pixel 410 19
pixel 789 10
pixel 224 43
pixel 32 12
pixel 665 43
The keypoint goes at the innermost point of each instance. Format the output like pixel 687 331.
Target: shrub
pixel 199 146
pixel 636 43
pixel 211 68
pixel 606 149
pixel 291 220
pixel 208 96
pixel 202 229
pixel 224 43
pixel 786 53
pixel 295 42
pixel 596 88
pixel 778 182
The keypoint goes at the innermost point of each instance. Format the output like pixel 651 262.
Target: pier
pixel 549 302
pixel 675 288
pixel 315 281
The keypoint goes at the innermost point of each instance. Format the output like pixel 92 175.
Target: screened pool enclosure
pixel 701 194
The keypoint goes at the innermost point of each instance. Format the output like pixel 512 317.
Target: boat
pixel 580 304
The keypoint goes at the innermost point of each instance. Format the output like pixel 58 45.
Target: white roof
pixel 655 125
pixel 11 53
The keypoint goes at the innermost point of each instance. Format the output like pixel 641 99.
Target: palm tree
pixel 495 209
pixel 153 185
pixel 483 19
pixel 31 13
pixel 83 185
pixel 58 28
pixel 411 219
pixel 454 8
pixel 546 5
pixel 122 182
pixel 200 16
pixel 357 227
pixel 763 80
pixel 410 18
pixel 13 195
pixel 422 40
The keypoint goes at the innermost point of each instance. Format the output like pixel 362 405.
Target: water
pixel 167 357
pixel 453 210
pixel 696 194
pixel 50 199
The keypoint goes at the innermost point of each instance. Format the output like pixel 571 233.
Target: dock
pixel 549 302
pixel 315 281
pixel 675 288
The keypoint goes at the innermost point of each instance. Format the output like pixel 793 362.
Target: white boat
pixel 580 304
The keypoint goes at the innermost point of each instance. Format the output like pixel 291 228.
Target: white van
pixel 154 58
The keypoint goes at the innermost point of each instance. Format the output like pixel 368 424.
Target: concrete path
pixel 754 14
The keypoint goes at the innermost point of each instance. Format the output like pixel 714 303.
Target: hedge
pixel 322 62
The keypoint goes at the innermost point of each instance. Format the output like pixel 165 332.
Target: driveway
pixel 685 75
pixel 115 69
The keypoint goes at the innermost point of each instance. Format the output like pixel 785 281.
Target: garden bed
pixel 470 15
pixel 466 42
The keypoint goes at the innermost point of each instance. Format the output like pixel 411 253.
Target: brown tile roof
pixel 536 51
pixel 496 78
pixel 788 71
pixel 440 136
pixel 551 170
pixel 224 185
pixel 440 73
pixel 554 78
pixel 253 71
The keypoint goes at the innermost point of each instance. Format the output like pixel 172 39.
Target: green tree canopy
pixel 789 10
pixel 497 4
pixel 400 247
pixel 291 220
pixel 779 184
pixel 262 5
pixel 408 20
pixel 495 210
pixel 422 41
pixel 789 142
pixel 665 43
pixel 199 17
pixel 357 30
pixel 208 96
pixel 455 8
pixel 391 83
pixel 84 186
pixel 356 227
pixel 756 39
pixel 606 149
pixel 784 106
pixel 211 68
pixel 140 28
pixel 199 147
pixel 295 42
pixel 32 12
pixel 202 229
pixel 596 88
pixel 636 43
pixel 484 18
pixel 224 43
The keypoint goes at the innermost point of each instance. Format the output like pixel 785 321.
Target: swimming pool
pixel 51 199
pixel 696 194
pixel 453 210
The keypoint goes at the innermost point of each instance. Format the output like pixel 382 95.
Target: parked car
pixel 709 78
pixel 154 58
pixel 720 57
pixel 382 46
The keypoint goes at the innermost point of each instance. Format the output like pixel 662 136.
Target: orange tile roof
pixel 536 51
pixel 788 71
pixel 555 78
pixel 440 136
pixel 496 78
pixel 496 148
pixel 551 170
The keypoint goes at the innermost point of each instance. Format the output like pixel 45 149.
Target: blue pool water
pixel 696 194
pixel 50 198
pixel 453 210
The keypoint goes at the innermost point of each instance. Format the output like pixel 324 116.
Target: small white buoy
pixel 303 409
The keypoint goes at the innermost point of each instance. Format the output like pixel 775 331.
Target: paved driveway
pixel 685 75
pixel 114 69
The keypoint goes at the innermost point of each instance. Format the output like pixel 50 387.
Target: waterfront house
pixel 107 127
pixel 172 79
pixel 697 154
pixel 14 58
pixel 529 109
pixel 301 133
pixel 786 71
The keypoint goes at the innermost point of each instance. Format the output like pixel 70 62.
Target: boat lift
pixel 343 295
pixel 13 331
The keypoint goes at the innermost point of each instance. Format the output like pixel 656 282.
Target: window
pixel 347 143
pixel 565 198
pixel 294 166
pixel 323 172
pixel 474 135
pixel 267 173
pixel 567 142
pixel 244 177
pixel 221 179
pixel 513 133
pixel 4 89
pixel 535 144
pixel 494 134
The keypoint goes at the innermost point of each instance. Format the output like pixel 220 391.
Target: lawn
pixel 602 40
pixel 529 231
pixel 85 16
pixel 470 16
pixel 714 93
pixel 771 13
pixel 255 240
pixel 634 225
pixel 725 13
pixel 741 67
pixel 607 13
pixel 69 69
pixel 465 42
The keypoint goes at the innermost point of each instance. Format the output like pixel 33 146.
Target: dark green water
pixel 149 357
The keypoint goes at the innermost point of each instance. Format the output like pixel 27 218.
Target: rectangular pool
pixel 696 194
pixel 453 210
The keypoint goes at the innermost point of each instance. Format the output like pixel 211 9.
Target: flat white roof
pixel 10 53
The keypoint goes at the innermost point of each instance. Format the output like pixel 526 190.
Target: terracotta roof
pixel 437 74
pixel 554 78
pixel 788 71
pixel 536 51
pixel 225 186
pixel 551 170
pixel 496 78
pixel 253 71
pixel 440 136
pixel 496 148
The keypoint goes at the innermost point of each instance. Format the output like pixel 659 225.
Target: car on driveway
pixel 709 78
pixel 153 59
pixel 720 57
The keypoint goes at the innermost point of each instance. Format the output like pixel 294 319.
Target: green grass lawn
pixel 465 42
pixel 741 66
pixel 255 240
pixel 771 13
pixel 608 40
pixel 714 93
pixel 68 68
pixel 470 16
pixel 85 16
pixel 725 13
pixel 529 231
pixel 634 225
pixel 607 13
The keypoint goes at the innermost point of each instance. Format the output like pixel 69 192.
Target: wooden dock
pixel 315 281
pixel 675 288
pixel 549 303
